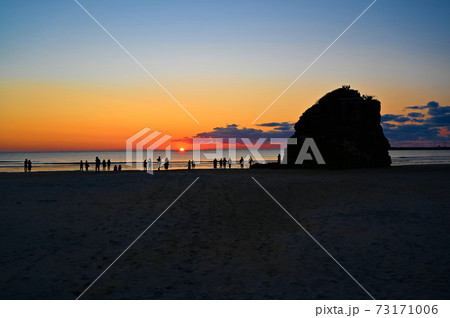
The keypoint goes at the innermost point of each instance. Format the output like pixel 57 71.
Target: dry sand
pixel 226 238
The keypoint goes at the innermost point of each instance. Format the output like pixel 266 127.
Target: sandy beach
pixel 225 238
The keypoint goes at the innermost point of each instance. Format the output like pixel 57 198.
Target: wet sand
pixel 225 238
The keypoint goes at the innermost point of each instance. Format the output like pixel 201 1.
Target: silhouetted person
pixel 193 164
pixel 279 158
pixel 104 164
pixel 29 165
pixel 241 161
pixel 189 165
pixel 166 163
pixel 145 165
pixel 25 165
pixel 120 168
pixel 159 162
pixel 215 163
pixel 109 164
pixel 250 161
pixel 86 166
pixel 229 163
pixel 115 167
pixel 220 163
pixel 224 163
pixel 81 165
pixel 97 164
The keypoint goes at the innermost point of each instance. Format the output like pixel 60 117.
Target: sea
pixel 70 160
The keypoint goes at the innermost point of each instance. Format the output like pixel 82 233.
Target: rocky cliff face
pixel 346 128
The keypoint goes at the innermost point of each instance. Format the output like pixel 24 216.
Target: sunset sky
pixel 66 85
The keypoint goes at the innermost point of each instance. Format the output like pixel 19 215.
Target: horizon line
pixel 238 148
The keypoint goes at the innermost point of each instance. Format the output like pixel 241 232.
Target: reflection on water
pixel 70 161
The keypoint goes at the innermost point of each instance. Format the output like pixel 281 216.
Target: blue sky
pixel 227 38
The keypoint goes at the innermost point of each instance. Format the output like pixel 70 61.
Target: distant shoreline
pixel 419 148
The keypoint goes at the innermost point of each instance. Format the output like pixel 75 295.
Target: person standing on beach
pixel 279 158
pixel 159 162
pixel 145 164
pixel 250 162
pixel 229 163
pixel 193 165
pixel 241 161
pixel 29 165
pixel 166 163
pixel 220 163
pixel 224 163
pixel 97 164
pixel 25 165
pixel 86 166
pixel 189 165
pixel 215 163
pixel 109 164
pixel 81 165
pixel 104 164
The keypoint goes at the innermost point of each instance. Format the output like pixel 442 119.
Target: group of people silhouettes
pixel 106 164
pixel 223 163
pixel 166 163
pixel 191 164
pixel 149 165
pixel 84 166
pixel 27 165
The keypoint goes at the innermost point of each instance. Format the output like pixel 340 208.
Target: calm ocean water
pixel 69 160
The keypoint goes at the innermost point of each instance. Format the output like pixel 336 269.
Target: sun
pixel 181 149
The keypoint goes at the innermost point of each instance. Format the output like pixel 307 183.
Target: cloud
pixel 432 125
pixel 230 131
pixel 388 125
pixel 283 126
pixel 275 124
pixel 416 115
pixel 280 130
pixel 431 104
pixel 272 124
pixel 395 118
pixel 439 111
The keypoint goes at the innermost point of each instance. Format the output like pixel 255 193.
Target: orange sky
pixel 74 116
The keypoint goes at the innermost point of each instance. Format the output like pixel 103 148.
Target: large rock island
pixel 346 128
